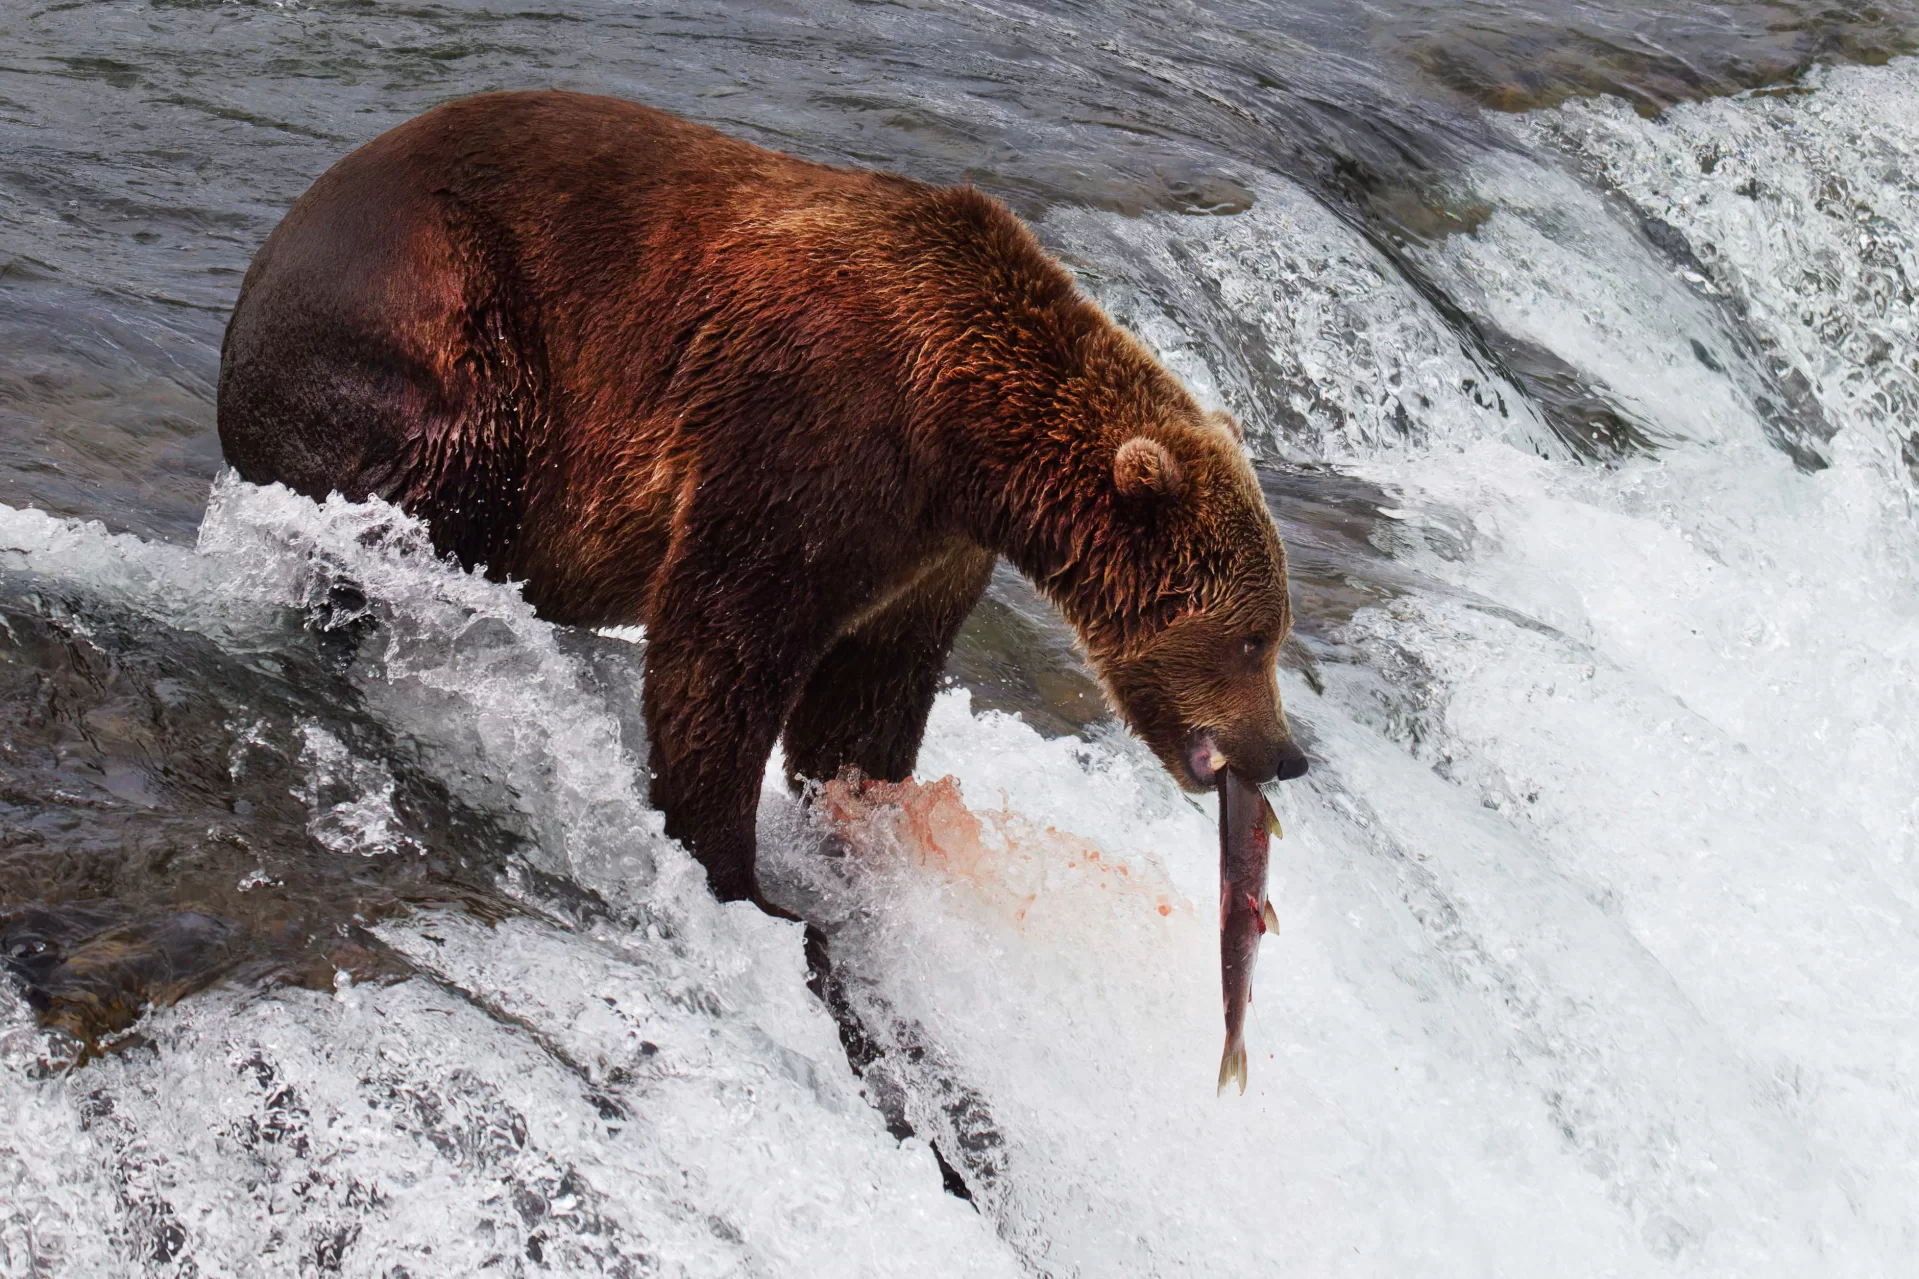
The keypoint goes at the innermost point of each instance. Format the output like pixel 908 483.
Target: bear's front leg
pixel 866 703
pixel 712 734
pixel 720 678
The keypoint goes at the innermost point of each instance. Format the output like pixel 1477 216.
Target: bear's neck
pixel 1093 577
pixel 1041 496
pixel 1029 392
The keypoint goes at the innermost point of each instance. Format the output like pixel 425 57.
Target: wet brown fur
pixel 785 415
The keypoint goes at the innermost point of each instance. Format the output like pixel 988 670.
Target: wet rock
pixel 88 970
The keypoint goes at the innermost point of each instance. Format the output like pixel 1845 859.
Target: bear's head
pixel 1188 603
pixel 1081 458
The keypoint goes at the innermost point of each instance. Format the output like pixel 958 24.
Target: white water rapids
pixel 1598 949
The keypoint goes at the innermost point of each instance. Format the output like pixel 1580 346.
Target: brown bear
pixel 784 415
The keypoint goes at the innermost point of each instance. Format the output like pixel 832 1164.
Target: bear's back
pixel 499 312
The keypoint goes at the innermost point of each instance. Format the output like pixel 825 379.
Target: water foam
pixel 608 1101
pixel 1596 952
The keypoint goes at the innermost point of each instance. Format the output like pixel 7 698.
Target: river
pixel 1579 355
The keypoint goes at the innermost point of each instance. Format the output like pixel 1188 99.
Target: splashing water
pixel 1598 907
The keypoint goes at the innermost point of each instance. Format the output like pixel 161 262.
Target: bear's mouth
pixel 1203 757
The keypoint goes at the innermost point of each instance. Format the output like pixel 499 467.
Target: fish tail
pixel 1232 1065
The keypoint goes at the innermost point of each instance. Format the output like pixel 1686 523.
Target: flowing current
pixel 1584 383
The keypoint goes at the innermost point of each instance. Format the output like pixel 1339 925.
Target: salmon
pixel 1245 913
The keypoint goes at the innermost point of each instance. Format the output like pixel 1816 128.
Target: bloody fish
pixel 1245 913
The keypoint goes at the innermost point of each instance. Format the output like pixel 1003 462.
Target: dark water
pixel 177 810
pixel 148 148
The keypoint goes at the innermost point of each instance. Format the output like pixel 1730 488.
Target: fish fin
pixel 1269 916
pixel 1270 818
pixel 1232 1065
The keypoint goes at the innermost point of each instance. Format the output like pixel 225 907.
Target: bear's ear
pixel 1144 467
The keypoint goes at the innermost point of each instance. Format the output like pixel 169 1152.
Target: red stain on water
pixel 1006 860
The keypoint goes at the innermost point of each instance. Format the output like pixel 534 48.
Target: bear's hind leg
pixel 866 703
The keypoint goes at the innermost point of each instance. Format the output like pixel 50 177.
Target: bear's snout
pixel 1278 759
pixel 1256 758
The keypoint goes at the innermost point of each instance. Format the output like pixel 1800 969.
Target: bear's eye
pixel 1254 644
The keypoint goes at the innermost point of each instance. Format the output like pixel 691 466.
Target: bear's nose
pixel 1292 763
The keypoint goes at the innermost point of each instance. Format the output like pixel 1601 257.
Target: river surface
pixel 1578 351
